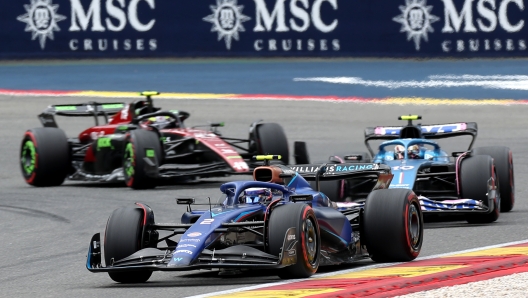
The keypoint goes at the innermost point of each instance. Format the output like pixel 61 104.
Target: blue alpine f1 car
pixel 277 221
pixel 478 182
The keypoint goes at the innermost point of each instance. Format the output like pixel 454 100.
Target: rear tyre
pixel 301 153
pixel 45 156
pixel 475 171
pixel 140 144
pixel 302 217
pixel 123 237
pixel 271 139
pixel 393 225
pixel 503 159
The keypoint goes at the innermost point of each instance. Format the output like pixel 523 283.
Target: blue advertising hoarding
pixel 263 28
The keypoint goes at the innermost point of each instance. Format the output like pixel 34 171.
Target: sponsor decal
pixel 228 151
pixel 332 169
pixel 104 142
pixel 96 134
pixel 194 234
pixel 186 245
pixel 400 186
pixel 443 128
pixel 240 165
pixel 490 19
pixel 291 237
pixel 190 240
pixel 227 19
pixel 276 18
pixel 184 251
pixel 291 252
pixel 416 20
pixel 347 168
pixel 41 20
pixel 177 259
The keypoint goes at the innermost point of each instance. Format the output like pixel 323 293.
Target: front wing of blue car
pixel 154 259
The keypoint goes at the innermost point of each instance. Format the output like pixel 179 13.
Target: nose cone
pixel 188 249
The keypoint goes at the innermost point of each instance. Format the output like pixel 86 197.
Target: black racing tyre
pixel 302 217
pixel 393 225
pixel 138 145
pixel 301 153
pixel 271 139
pixel 475 171
pixel 503 159
pixel 123 237
pixel 45 156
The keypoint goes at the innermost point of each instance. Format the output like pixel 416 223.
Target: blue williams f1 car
pixel 275 222
pixel 478 182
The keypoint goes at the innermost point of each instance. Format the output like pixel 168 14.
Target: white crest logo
pixel 41 20
pixel 227 19
pixel 416 20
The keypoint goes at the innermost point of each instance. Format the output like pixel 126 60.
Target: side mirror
pixel 184 201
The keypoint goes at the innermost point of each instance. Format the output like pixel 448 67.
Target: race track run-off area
pixel 327 104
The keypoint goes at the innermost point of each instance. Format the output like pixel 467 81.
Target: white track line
pixel 487 82
pixel 354 270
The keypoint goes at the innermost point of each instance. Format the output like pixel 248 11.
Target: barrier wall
pixel 306 28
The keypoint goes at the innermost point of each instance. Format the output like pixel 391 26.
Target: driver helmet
pixel 413 152
pixel 399 152
pixel 160 122
pixel 256 195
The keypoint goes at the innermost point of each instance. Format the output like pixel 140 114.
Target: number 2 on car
pixel 207 221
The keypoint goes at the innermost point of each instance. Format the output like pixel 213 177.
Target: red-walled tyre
pixel 123 237
pixel 302 217
pixel 393 225
pixel 45 156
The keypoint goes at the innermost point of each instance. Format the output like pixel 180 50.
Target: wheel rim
pixel 414 226
pixel 128 165
pixel 310 236
pixel 28 157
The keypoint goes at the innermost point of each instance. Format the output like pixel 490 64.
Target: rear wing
pixel 433 131
pixel 94 109
pixel 339 171
pixel 344 171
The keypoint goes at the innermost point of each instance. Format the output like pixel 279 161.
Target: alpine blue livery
pixel 477 182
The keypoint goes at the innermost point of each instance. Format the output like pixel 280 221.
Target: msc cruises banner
pixel 241 28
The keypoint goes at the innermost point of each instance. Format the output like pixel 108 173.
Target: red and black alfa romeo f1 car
pixel 139 144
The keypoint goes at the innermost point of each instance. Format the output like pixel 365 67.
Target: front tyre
pixel 308 247
pixel 123 237
pixel 45 156
pixel 393 225
pixel 140 145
